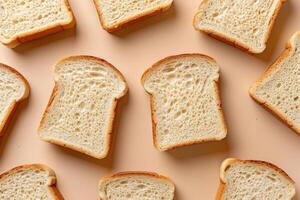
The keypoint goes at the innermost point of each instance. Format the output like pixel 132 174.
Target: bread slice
pixel 136 186
pixel 246 24
pixel 29 182
pixel 26 20
pixel 278 89
pixel 115 14
pixel 185 101
pixel 82 107
pixel 14 88
pixel 250 180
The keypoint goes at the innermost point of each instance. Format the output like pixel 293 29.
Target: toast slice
pixel 22 21
pixel 14 88
pixel 250 180
pixel 185 101
pixel 115 14
pixel 241 23
pixel 29 182
pixel 82 107
pixel 278 89
pixel 136 186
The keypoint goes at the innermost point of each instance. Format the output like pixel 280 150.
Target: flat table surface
pixel 253 132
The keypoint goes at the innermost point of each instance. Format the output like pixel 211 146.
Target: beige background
pixel 253 132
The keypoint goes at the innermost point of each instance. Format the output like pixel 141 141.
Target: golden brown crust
pixel 231 161
pixel 130 20
pixel 233 42
pixel 112 117
pixel 13 107
pixel 289 49
pixel 153 114
pixel 56 195
pixel 42 32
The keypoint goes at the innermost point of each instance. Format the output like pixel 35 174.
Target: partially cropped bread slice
pixel 114 14
pixel 185 101
pixel 14 88
pixel 278 89
pixel 27 20
pixel 136 186
pixel 246 24
pixel 250 180
pixel 28 182
pixel 82 107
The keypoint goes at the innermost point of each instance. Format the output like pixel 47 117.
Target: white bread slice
pixel 115 14
pixel 185 101
pixel 136 186
pixel 246 24
pixel 278 89
pixel 14 88
pixel 250 180
pixel 26 20
pixel 82 107
pixel 29 182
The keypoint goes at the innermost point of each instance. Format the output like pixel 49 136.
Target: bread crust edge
pixel 153 114
pixel 111 119
pixel 130 20
pixel 43 31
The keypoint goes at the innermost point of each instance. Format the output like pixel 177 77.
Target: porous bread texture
pixel 246 24
pixel 279 88
pixel 29 182
pixel 250 180
pixel 136 186
pixel 24 20
pixel 185 101
pixel 114 14
pixel 82 107
pixel 13 89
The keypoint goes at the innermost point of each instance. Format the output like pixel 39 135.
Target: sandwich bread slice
pixel 278 89
pixel 246 24
pixel 250 180
pixel 185 101
pixel 82 108
pixel 136 186
pixel 29 182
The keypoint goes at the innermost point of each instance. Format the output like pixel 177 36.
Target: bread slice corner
pixel 277 89
pixel 14 88
pixel 245 25
pixel 136 185
pixel 82 108
pixel 46 17
pixel 251 179
pixel 34 181
pixel 115 15
pixel 185 101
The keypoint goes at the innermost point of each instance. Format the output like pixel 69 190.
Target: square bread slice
pixel 278 89
pixel 136 186
pixel 14 88
pixel 26 20
pixel 82 108
pixel 115 14
pixel 185 101
pixel 251 179
pixel 246 24
pixel 29 182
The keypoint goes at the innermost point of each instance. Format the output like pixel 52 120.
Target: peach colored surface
pixel 253 132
